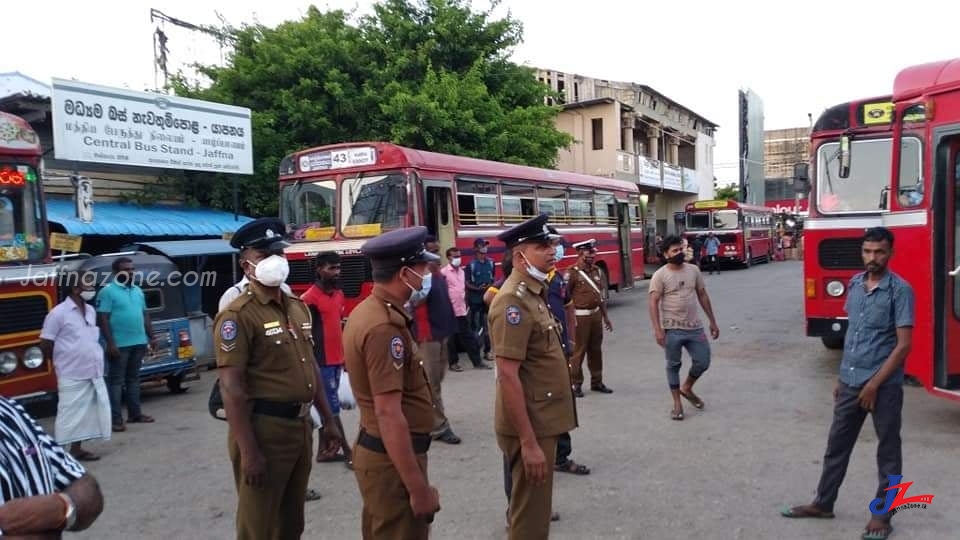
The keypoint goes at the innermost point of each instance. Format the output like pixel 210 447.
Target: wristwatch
pixel 70 517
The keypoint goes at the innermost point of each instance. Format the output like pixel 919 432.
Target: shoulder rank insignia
pixel 521 289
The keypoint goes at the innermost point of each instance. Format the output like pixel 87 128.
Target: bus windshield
pixel 698 221
pixel 371 204
pixel 869 175
pixel 21 216
pixel 725 219
pixel 308 209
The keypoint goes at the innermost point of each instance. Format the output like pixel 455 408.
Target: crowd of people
pixel 280 357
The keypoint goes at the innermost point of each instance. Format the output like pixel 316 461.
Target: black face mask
pixel 677 259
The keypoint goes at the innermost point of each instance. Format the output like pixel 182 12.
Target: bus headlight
pixel 33 357
pixel 8 363
pixel 835 288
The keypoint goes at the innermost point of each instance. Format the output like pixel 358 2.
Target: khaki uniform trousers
pixel 435 362
pixel 530 505
pixel 589 342
pixel 387 514
pixel 275 510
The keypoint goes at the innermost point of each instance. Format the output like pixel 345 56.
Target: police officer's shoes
pixel 602 388
pixel 577 391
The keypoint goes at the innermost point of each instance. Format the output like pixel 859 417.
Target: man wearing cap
pixel 392 392
pixel 268 380
pixel 585 284
pixel 480 275
pixel 534 401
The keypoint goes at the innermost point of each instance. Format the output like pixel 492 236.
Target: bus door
pixel 439 213
pixel 947 263
pixel 626 252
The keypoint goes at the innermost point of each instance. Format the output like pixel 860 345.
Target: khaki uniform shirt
pixel 272 341
pixel 381 356
pixel 522 328
pixel 581 293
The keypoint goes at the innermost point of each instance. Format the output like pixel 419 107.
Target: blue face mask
pixel 424 290
pixel 559 252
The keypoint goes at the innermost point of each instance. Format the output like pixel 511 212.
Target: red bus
pixel 336 197
pixel 844 199
pixel 27 289
pixel 925 216
pixel 746 232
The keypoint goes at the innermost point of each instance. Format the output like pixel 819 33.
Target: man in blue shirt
pixel 480 275
pixel 880 307
pixel 713 250
pixel 125 324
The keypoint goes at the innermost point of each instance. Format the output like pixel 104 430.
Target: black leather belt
pixel 281 409
pixel 421 442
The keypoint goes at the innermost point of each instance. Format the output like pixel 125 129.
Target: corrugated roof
pixel 188 248
pixel 14 82
pixel 119 219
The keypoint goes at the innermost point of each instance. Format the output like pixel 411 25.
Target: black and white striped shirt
pixel 31 462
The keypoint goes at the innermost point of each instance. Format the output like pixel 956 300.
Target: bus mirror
pixel 801 177
pixel 844 156
pixel 884 196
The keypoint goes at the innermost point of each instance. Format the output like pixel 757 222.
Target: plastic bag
pixel 347 401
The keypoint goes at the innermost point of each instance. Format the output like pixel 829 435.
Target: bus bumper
pixel 826 327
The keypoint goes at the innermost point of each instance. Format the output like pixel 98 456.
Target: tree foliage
pixel 429 74
pixel 729 192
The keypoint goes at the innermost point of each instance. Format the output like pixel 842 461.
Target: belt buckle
pixel 304 409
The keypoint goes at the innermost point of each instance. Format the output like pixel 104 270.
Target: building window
pixel 597 124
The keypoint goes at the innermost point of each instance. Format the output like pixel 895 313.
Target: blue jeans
pixel 331 386
pixel 125 371
pixel 695 341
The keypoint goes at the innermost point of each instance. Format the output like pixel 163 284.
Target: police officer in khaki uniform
pixel 534 403
pixel 584 285
pixel 268 380
pixel 392 393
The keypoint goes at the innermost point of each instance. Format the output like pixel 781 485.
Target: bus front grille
pixel 22 313
pixel 840 254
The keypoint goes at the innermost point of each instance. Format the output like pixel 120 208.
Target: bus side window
pixel 909 180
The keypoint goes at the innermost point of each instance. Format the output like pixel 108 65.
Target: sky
pixel 799 57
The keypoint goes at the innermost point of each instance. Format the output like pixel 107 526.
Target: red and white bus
pixel 925 216
pixel 336 197
pixel 746 232
pixel 27 291
pixel 842 203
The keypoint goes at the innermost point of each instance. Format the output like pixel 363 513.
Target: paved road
pixel 722 473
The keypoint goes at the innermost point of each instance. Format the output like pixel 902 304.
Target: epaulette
pixel 240 301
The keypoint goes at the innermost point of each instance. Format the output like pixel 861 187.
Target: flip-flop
pixel 877 536
pixel 676 415
pixel 331 459
pixel 573 468
pixel 789 512
pixel 83 455
pixel 693 399
pixel 313 495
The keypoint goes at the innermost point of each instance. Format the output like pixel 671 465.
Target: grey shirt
pixel 873 318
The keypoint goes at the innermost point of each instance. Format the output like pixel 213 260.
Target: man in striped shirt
pixel 43 490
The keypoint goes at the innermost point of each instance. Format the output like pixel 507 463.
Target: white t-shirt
pixel 237 289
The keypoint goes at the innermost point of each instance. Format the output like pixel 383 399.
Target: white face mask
pixel 424 290
pixel 534 272
pixel 455 262
pixel 272 271
pixel 88 295
pixel 423 281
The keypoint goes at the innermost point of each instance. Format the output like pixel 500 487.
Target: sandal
pixel 330 458
pixel 142 419
pixel 877 534
pixel 676 414
pixel 84 455
pixel 313 495
pixel 572 467
pixel 692 398
pixel 805 511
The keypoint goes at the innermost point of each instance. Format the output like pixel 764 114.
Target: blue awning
pixel 121 219
pixel 189 248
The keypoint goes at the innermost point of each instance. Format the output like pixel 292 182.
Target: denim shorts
pixel 331 386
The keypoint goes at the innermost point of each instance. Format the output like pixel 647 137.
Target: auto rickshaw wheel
pixel 175 384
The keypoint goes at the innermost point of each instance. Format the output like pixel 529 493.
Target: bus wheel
pixel 175 384
pixel 834 342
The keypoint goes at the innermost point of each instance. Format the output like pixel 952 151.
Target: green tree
pixel 429 74
pixel 728 192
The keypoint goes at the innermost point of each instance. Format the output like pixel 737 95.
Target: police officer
pixel 534 402
pixel 268 380
pixel 584 285
pixel 392 393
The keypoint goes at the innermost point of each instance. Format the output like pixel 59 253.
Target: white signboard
pixel 123 127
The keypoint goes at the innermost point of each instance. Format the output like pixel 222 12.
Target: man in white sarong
pixel 71 337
